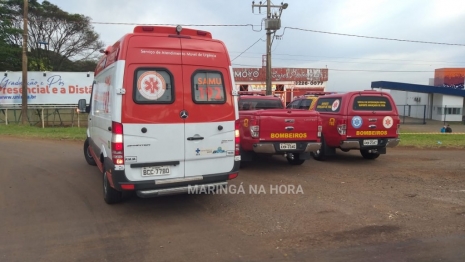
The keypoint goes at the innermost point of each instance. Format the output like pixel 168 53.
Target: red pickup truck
pixel 266 127
pixel 359 120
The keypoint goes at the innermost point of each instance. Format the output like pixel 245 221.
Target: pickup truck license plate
pixel 156 170
pixel 285 146
pixel 370 142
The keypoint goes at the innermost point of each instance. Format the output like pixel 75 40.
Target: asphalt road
pixel 408 205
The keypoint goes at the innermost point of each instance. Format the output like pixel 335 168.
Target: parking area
pixel 408 205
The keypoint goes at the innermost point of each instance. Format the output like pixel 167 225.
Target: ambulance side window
pixel 208 87
pixel 153 86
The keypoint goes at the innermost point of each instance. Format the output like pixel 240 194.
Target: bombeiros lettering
pixel 288 135
pixel 371 133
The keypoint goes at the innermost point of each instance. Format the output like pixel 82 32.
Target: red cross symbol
pixel 151 85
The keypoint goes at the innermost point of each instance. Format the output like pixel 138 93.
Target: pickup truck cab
pixel 306 101
pixel 359 120
pixel 266 127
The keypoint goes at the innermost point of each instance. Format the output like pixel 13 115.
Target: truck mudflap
pixel 369 143
pixel 153 188
pixel 285 147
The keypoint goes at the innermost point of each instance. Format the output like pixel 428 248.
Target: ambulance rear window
pixel 372 103
pixel 208 88
pixel 153 86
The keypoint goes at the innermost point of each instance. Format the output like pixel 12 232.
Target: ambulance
pixel 162 114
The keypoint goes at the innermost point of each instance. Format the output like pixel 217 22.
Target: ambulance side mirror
pixel 82 106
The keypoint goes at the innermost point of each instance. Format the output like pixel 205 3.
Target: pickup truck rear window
pixel 332 104
pixel 208 88
pixel 372 103
pixel 256 104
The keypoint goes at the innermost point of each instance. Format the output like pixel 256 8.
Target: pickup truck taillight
pixel 237 139
pixel 342 127
pixel 117 145
pixel 398 129
pixel 254 131
pixel 320 127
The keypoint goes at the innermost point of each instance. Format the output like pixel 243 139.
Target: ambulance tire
pixel 368 155
pixel 296 161
pixel 320 154
pixel 89 159
pixel 110 195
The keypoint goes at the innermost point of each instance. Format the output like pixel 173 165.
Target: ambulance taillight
pixel 117 145
pixel 237 139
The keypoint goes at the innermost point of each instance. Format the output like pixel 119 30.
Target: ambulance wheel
pixel 89 159
pixel 110 195
pixel 320 153
pixel 368 155
pixel 296 161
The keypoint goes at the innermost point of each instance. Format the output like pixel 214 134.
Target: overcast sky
pixel 353 62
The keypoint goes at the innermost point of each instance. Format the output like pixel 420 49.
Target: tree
pixel 55 36
pixel 10 54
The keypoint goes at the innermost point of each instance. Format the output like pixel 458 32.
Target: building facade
pixel 286 82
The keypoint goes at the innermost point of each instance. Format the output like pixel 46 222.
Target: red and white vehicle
pixel 162 114
pixel 367 121
pixel 266 127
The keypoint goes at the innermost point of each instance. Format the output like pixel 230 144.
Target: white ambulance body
pixel 162 115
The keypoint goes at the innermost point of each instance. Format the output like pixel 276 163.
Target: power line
pixel 248 48
pixel 355 58
pixel 360 70
pixel 370 37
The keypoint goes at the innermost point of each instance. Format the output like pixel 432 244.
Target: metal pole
pixel 268 51
pixel 42 113
pixel 24 82
pixel 6 116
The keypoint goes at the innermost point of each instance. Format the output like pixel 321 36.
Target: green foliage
pixel 57 40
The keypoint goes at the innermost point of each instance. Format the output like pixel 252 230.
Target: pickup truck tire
pixel 89 159
pixel 320 154
pixel 295 161
pixel 368 155
pixel 110 195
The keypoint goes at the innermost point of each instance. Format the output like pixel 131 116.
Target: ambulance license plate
pixel 370 142
pixel 287 146
pixel 156 170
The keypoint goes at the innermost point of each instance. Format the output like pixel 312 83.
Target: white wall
pixel 453 104
pixel 411 104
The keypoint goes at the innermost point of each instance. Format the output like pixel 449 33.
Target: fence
pixel 44 115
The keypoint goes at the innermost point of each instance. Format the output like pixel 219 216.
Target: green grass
pixel 432 140
pixel 57 133
pixel 79 134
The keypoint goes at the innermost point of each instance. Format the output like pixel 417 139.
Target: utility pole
pixel 272 24
pixel 24 82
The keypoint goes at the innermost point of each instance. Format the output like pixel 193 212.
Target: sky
pixel 353 62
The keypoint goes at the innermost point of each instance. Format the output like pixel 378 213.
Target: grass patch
pixel 58 133
pixel 432 140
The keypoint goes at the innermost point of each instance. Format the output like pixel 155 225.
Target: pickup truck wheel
pixel 110 195
pixel 368 155
pixel 296 161
pixel 320 153
pixel 89 159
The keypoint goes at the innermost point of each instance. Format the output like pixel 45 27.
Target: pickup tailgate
pixel 288 125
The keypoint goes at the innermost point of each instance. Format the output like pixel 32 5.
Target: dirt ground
pixel 407 205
